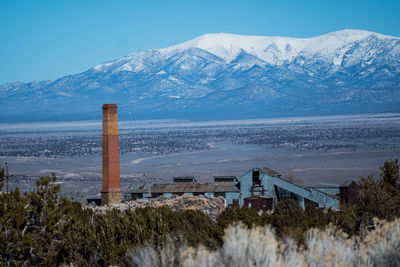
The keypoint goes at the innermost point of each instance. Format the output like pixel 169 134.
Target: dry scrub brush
pixel 259 246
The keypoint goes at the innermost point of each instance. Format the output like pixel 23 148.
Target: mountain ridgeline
pixel 225 76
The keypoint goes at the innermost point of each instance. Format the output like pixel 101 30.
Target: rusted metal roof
pixel 183 188
pixel 260 197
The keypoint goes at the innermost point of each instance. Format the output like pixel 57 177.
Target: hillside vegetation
pixel 45 228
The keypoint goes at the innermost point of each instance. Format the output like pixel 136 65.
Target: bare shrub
pixel 259 246
pixel 331 247
pixel 148 256
pixel 200 257
pixel 383 243
pixel 249 247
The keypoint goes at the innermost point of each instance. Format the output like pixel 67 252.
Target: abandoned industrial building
pixel 225 186
pixel 263 185
pixel 259 188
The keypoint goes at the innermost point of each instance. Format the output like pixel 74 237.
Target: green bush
pixel 44 228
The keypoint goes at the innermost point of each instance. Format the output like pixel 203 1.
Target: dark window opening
pixel 278 196
pixel 225 178
pixel 188 179
pixel 135 196
pixel 256 177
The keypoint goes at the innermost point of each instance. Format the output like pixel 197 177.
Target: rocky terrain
pixel 212 206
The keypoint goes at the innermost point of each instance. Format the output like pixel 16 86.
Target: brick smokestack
pixel 111 192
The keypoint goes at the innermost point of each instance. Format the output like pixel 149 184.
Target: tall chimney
pixel 111 192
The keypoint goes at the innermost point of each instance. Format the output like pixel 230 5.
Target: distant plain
pixel 325 151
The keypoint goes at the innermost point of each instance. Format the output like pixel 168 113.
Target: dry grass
pixel 260 247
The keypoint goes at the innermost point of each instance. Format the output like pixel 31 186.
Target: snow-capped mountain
pixel 217 76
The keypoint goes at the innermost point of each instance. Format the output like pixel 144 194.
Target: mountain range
pixel 225 76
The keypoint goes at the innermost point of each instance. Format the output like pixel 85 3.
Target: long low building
pixel 261 188
pixel 225 186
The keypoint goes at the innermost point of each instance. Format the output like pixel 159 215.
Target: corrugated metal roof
pixel 140 186
pixel 270 172
pixel 346 183
pixel 183 188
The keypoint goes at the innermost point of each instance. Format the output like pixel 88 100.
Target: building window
pixel 256 177
pixel 135 196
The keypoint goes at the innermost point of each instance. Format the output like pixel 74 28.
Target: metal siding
pixel 324 200
pixel 245 187
pixel 348 193
pixel 229 197
pixel 329 190
pixel 268 182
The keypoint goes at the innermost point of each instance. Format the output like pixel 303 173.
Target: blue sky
pixel 45 40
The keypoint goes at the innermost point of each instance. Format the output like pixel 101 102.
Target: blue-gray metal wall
pixel 269 182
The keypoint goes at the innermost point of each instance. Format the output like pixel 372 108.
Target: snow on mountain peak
pixel 355 35
pixel 229 46
pixel 274 50
pixel 223 74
